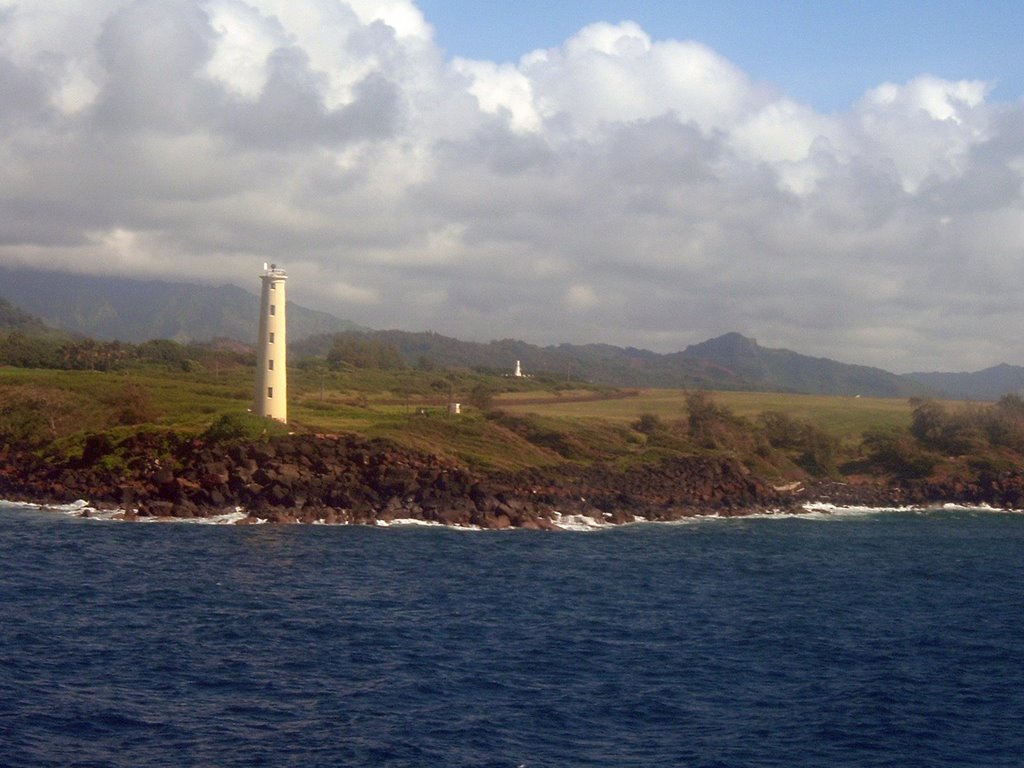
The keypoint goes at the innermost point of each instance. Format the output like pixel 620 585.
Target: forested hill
pixel 15 320
pixel 989 384
pixel 728 362
pixel 108 308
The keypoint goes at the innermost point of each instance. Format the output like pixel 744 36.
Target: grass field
pixel 539 426
pixel 360 401
pixel 845 418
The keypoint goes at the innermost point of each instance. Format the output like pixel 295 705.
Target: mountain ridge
pixel 130 310
pixel 987 384
pixel 730 361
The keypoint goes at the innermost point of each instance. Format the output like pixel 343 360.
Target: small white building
pixel 519 371
pixel 271 355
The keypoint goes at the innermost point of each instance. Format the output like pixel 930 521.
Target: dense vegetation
pixel 982 438
pixel 57 352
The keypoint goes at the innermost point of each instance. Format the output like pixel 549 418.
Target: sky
pixel 841 179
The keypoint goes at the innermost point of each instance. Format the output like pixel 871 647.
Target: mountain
pixel 989 384
pixel 15 320
pixel 138 310
pixel 597 363
pixel 37 302
pixel 787 371
pixel 731 361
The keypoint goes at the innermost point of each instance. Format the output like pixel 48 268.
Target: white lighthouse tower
pixel 271 368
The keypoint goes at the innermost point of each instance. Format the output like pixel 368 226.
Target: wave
pixel 413 522
pixel 821 511
pixel 82 509
pixel 815 511
pixel 580 523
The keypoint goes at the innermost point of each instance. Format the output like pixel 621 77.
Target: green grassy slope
pixel 524 425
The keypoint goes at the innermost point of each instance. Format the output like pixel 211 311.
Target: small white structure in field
pixel 271 360
pixel 454 408
pixel 519 371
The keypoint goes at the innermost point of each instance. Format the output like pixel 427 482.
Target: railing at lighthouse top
pixel 274 272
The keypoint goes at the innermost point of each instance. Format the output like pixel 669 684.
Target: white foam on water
pixel 413 522
pixel 228 518
pixel 982 508
pixel 406 521
pixel 82 509
pixel 79 508
pixel 24 504
pixel 579 522
pixel 575 523
pixel 823 511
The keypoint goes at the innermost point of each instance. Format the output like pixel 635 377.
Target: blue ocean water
pixel 885 639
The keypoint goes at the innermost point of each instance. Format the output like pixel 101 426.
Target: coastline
pixel 344 479
pixel 564 523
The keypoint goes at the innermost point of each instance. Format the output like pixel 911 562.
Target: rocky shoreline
pixel 347 479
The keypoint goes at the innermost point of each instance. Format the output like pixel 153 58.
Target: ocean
pixel 837 638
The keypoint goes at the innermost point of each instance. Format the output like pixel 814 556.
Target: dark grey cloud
pixel 25 96
pixel 150 52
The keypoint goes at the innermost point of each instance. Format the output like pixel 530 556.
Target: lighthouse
pixel 271 369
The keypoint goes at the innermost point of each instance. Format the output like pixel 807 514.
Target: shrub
pixel 482 396
pixel 895 450
pixel 649 423
pixel 36 415
pixel 954 434
pixel 1004 423
pixel 815 450
pixel 242 426
pixel 712 425
pixel 132 405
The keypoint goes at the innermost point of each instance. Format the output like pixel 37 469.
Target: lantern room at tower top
pixel 271 356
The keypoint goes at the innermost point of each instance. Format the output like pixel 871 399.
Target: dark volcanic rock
pixel 346 479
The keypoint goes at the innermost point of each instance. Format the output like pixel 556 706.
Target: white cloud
pixel 614 188
pixel 245 40
pixel 616 73
pixel 926 127
pixel 502 89
pixel 401 15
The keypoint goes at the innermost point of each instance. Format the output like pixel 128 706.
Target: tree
pixel 709 423
pixel 894 450
pixel 815 449
pixel 954 434
pixel 482 396
pixel 1004 425
pixel 928 420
